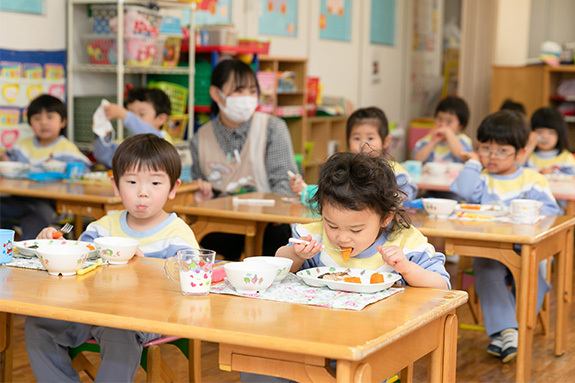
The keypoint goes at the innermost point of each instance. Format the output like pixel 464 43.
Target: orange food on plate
pixel 91 247
pixel 352 279
pixel 471 207
pixel 376 278
pixel 346 252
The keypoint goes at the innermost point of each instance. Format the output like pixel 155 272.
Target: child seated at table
pixel 48 117
pixel 446 142
pixel 546 150
pixel 492 176
pixel 368 132
pixel 145 175
pixel 145 111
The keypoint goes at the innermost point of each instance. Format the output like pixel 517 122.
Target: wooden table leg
pixel 526 312
pixel 6 347
pixel 570 208
pixel 564 285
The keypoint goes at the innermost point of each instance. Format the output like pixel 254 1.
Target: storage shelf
pixel 236 49
pixel 160 3
pixel 92 68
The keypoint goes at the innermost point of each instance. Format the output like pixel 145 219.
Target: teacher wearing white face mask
pixel 240 151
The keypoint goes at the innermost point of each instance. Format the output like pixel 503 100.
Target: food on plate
pixel 376 278
pixel 33 247
pixel 346 252
pixel 338 276
pixel 352 279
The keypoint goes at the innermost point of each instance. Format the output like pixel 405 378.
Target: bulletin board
pixel 210 12
pixel 335 20
pixel 25 6
pixel 382 22
pixel 24 75
pixel 278 18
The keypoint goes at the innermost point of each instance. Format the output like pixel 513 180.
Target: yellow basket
pixel 177 94
pixel 176 127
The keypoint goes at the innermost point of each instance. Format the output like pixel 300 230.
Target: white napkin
pixel 100 124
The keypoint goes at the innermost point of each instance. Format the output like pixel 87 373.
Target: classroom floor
pixel 473 363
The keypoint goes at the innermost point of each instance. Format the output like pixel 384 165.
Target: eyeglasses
pixel 499 154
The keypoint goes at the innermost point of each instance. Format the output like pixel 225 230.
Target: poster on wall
pixel 382 22
pixel 278 18
pixel 335 20
pixel 24 75
pixel 210 12
pixel 37 7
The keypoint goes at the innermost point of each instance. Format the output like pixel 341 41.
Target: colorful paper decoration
pixel 8 138
pixel 9 116
pixel 33 91
pixel 10 92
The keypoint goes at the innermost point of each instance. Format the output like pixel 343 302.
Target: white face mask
pixel 238 109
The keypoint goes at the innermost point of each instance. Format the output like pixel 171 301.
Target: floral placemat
pixel 293 290
pixel 34 262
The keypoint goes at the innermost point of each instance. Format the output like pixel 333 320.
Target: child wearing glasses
pixel 446 142
pixel 546 150
pixel 491 176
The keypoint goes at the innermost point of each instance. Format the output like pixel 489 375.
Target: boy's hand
pixel 139 253
pixel 437 135
pixel 296 183
pixel 46 233
pixel 205 191
pixel 548 170
pixel 466 156
pixel 115 111
pixel 307 251
pixel 4 156
pixel 395 258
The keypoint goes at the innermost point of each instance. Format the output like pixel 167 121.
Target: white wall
pixel 21 31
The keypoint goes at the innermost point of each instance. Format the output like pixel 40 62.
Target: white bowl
pixel 62 259
pixel 55 166
pixel 116 250
pixel 440 207
pixel 250 277
pixel 12 168
pixel 435 168
pixel 283 264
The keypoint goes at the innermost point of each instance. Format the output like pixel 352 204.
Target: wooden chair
pixel 157 369
pixel 466 281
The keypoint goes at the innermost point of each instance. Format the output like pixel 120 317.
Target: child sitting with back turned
pixel 145 111
pixel 445 143
pixel 546 150
pixel 145 175
pixel 367 131
pixel 48 117
pixel 361 208
pixel 492 176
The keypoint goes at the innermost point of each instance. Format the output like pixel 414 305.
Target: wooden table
pixel 254 335
pixel 89 199
pixel 221 215
pixel 494 240
pixel 561 189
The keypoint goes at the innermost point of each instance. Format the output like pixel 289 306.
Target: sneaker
pixel 509 348
pixel 494 347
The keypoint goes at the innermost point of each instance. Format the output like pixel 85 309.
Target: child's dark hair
pixel 504 127
pixel 509 104
pixel 372 116
pixel 242 76
pixel 159 100
pixel 551 118
pixel 357 181
pixel 457 106
pixel 146 151
pixel 49 104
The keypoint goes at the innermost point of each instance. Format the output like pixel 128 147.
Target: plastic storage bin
pixel 138 51
pixel 176 127
pixel 138 20
pixel 202 82
pixel 217 35
pixel 178 95
pixel 262 46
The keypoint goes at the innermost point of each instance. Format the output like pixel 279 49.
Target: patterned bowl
pixel 440 207
pixel 250 277
pixel 283 264
pixel 62 259
pixel 116 250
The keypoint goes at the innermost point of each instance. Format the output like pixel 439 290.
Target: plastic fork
pixel 64 230
pixel 294 240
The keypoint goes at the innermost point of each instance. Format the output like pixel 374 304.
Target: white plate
pixel 485 210
pixel 560 177
pixel 310 277
pixel 28 248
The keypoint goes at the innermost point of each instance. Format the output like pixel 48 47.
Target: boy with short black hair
pixel 446 141
pixel 145 110
pixel 145 175
pixel 492 176
pixel 47 116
